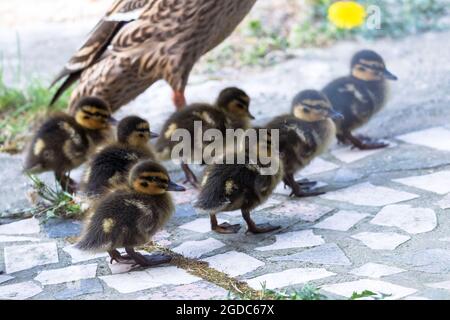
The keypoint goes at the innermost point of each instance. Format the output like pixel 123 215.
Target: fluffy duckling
pixel 359 96
pixel 130 216
pixel 63 143
pixel 231 111
pixel 241 186
pixel 110 165
pixel 304 135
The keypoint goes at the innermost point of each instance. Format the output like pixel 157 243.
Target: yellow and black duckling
pixel 131 215
pixel 304 135
pixel 110 165
pixel 231 111
pixel 63 143
pixel 241 186
pixel 359 96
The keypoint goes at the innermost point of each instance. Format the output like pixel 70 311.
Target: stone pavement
pixel 386 232
pixel 383 225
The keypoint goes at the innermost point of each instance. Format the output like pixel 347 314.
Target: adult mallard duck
pixel 139 42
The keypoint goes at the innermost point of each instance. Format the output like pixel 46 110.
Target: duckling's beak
pixel 113 121
pixel 252 117
pixel 335 115
pixel 153 135
pixel 175 187
pixel 388 75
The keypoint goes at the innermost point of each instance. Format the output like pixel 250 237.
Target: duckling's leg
pixel 364 143
pixel 179 99
pixel 66 182
pixel 148 261
pixel 224 228
pixel 190 176
pixel 257 228
pixel 297 189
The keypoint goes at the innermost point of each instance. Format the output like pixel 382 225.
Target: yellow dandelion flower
pixel 347 14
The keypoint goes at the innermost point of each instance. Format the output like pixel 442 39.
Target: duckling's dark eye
pixel 360 68
pixel 144 184
pixel 306 110
pixel 86 117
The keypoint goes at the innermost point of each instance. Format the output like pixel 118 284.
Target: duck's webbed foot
pixel 307 184
pixel 254 228
pixel 119 258
pixel 299 190
pixel 147 261
pixel 66 183
pixel 365 143
pixel 190 176
pixel 224 228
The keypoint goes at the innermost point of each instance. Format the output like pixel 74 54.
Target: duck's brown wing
pixel 120 13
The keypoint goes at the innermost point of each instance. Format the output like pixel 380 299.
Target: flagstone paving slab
pixel 407 218
pixel 79 288
pixel 431 260
pixel 376 270
pixel 202 225
pixel 317 166
pixel 234 263
pixel 381 241
pixel 436 182
pixel 367 194
pixel 5 278
pixel 196 249
pixel 342 221
pixel 151 278
pixel 301 210
pixel 28 226
pixel 296 239
pixel 349 155
pixel 69 274
pixel 347 289
pixel 4 239
pixel 328 254
pixel 201 290
pixel 440 285
pixel 444 203
pixel 288 278
pixel 19 291
pixel 18 258
pixel 81 256
pixel 435 138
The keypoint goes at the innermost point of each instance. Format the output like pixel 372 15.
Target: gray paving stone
pixel 366 194
pixel 196 249
pixel 185 211
pixel 19 291
pixel 288 278
pixel 341 221
pixel 234 263
pixel 81 256
pixel 68 274
pixel 407 218
pixel 5 239
pixel 201 290
pixel 302 211
pixel 201 225
pixel 317 166
pixel 431 260
pixel 381 241
pixel 18 258
pixel 328 254
pixel 28 226
pixel 5 278
pixel 440 285
pixel 347 289
pixel 296 239
pixel 376 270
pixel 436 182
pixel 349 155
pixel 79 288
pixel 56 228
pixel 436 138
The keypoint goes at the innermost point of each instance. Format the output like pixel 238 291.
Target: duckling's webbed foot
pixel 119 258
pixel 307 184
pixel 298 190
pixel 257 228
pixel 224 228
pixel 148 261
pixel 365 143
pixel 190 176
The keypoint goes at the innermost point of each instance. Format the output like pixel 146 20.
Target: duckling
pixel 111 164
pixel 231 111
pixel 360 96
pixel 131 215
pixel 63 143
pixel 304 134
pixel 241 186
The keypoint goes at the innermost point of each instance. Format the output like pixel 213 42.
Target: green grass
pixel 54 202
pixel 20 108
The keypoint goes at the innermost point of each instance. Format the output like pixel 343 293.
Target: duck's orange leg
pixel 179 99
